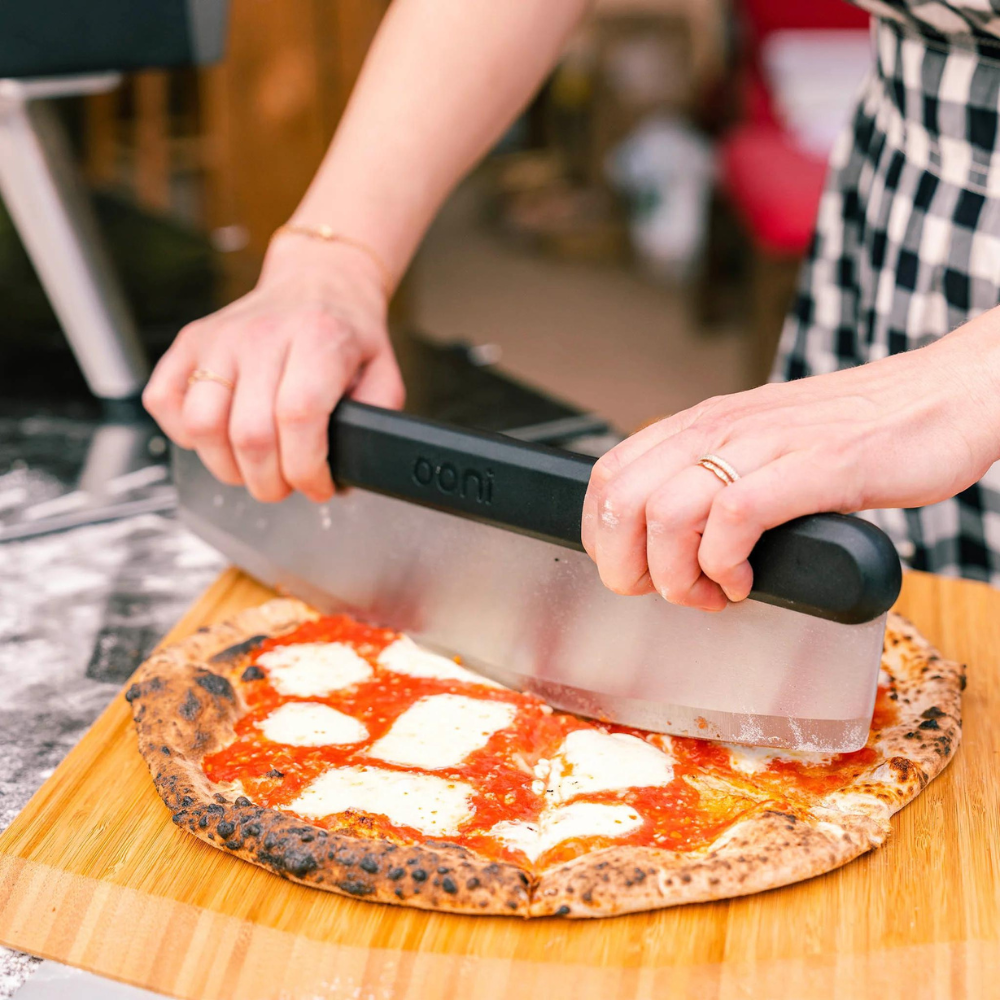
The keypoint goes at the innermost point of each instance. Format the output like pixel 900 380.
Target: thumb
pixel 380 383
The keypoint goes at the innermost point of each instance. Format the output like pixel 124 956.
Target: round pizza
pixel 349 758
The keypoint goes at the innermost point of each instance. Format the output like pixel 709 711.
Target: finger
pixel 789 487
pixel 612 463
pixel 253 431
pixel 609 465
pixel 675 519
pixel 380 383
pixel 167 387
pixel 316 375
pixel 619 528
pixel 205 418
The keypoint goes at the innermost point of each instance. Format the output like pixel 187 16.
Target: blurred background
pixel 629 247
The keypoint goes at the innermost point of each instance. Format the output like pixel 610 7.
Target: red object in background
pixel 773 184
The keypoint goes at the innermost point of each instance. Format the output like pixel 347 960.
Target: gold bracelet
pixel 329 235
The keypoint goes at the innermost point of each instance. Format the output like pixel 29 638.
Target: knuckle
pixel 606 467
pixel 190 331
pixel 662 516
pixel 733 504
pixel 669 583
pixel 300 411
pixel 616 503
pixel 203 425
pixel 154 397
pixel 709 433
pixel 707 411
pixel 712 565
pixel 252 439
pixel 329 325
pixel 261 325
pixel 340 337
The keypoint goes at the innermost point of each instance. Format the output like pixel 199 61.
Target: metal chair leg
pixel 50 208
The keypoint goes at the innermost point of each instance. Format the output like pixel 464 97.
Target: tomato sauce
pixel 501 772
pixel 678 816
pixel 886 711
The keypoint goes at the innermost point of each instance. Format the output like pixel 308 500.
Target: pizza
pixel 349 758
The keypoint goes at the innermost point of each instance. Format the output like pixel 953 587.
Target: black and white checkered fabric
pixel 907 242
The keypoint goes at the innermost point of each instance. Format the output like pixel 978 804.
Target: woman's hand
pixel 905 431
pixel 313 330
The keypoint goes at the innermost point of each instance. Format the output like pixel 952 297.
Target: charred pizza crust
pixel 185 704
pixel 772 848
pixel 924 737
pixel 765 851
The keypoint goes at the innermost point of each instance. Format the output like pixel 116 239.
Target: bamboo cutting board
pixel 94 874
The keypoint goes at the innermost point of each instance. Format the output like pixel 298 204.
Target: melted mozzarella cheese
pixel 753 760
pixel 442 730
pixel 314 669
pixel 593 761
pixel 404 656
pixel 425 802
pixel 308 724
pixel 576 820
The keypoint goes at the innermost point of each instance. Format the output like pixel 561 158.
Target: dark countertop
pixel 79 610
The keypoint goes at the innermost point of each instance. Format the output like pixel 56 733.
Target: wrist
pixel 971 357
pixel 299 257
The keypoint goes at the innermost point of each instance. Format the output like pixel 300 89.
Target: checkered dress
pixel 907 242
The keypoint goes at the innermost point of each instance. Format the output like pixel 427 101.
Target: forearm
pixel 967 361
pixel 442 81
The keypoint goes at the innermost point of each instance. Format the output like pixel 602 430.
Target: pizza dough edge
pixel 922 741
pixel 184 704
pixel 765 851
pixel 773 849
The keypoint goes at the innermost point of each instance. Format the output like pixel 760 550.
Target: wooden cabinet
pixel 232 147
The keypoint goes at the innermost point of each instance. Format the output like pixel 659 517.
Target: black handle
pixel 530 488
pixel 826 565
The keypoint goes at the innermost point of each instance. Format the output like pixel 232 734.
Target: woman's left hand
pixel 908 430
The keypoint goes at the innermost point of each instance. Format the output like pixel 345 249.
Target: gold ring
pixel 720 467
pixel 204 375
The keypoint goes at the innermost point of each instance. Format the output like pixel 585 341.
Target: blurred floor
pixel 594 334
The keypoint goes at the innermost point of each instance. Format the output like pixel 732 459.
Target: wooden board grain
pixel 93 873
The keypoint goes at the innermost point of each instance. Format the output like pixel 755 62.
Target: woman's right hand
pixel 313 330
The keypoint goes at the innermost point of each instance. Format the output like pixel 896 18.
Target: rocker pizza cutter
pixel 470 542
